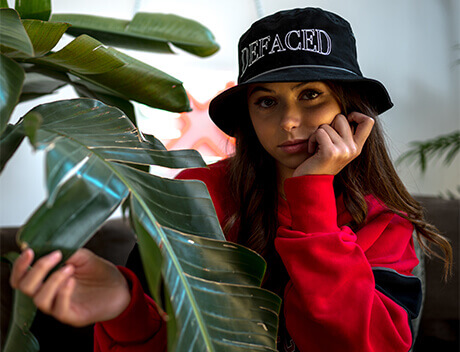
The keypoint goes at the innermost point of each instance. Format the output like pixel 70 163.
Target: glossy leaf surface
pixel 11 80
pixel 213 284
pixel 83 138
pixel 124 105
pixel 110 72
pixel 183 205
pixel 143 83
pixel 213 288
pixel 146 31
pixel 13 39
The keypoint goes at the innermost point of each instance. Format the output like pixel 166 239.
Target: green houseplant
pixel 444 147
pixel 421 152
pixel 91 146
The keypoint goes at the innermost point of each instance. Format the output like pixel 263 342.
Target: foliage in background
pixel 445 147
pixel 442 147
pixel 213 295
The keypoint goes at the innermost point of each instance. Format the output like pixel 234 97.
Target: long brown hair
pixel 253 177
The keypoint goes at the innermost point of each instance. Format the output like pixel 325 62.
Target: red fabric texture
pixel 138 328
pixel 330 302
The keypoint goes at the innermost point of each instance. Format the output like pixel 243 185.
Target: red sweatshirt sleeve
pixel 331 302
pixel 139 328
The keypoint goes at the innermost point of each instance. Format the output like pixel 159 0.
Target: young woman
pixel 310 187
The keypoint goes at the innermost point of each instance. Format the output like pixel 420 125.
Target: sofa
pixel 438 326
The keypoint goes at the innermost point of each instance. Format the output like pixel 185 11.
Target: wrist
pixel 312 203
pixel 124 294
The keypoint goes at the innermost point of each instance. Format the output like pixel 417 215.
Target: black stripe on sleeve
pixel 404 290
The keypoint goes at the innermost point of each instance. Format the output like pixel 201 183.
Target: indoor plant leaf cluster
pixel 213 295
pixel 421 152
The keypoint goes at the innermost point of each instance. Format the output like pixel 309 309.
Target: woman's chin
pixel 289 165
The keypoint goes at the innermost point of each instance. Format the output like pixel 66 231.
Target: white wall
pixel 411 46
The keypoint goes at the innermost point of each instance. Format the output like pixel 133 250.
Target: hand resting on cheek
pixel 335 146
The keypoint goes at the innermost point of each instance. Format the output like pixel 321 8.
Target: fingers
pixel 321 138
pixel 325 137
pixel 63 299
pixel 353 138
pixel 20 267
pixel 31 280
pixel 45 296
pixel 52 296
pixel 341 125
pixel 364 128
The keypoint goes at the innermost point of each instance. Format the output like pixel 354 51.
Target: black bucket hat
pixel 299 45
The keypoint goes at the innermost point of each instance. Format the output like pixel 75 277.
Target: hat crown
pixel 297 38
pixel 300 45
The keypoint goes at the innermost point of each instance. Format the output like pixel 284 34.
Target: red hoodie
pixel 347 291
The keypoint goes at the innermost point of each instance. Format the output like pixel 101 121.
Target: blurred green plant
pixel 445 147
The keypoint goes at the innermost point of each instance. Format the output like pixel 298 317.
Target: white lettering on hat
pixel 263 44
pixel 244 60
pixel 309 42
pixel 287 40
pixel 320 42
pixel 312 40
pixel 253 52
pixel 277 43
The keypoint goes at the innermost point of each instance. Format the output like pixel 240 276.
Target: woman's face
pixel 285 115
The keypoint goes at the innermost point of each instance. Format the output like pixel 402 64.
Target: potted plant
pixel 91 146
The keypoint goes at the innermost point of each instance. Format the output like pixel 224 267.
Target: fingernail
pixel 56 255
pixel 27 251
pixel 67 269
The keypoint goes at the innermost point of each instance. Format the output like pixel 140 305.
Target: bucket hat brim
pixel 229 107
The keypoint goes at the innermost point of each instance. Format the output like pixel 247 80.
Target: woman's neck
pixel 283 173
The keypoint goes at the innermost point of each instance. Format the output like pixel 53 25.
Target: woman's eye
pixel 265 102
pixel 310 94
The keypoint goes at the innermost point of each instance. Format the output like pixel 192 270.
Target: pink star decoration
pixel 197 131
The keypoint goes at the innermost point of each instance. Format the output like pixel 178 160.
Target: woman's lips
pixel 294 146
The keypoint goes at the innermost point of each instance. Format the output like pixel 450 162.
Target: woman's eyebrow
pixel 259 89
pixel 301 84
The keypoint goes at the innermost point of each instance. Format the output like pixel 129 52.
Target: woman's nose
pixel 291 118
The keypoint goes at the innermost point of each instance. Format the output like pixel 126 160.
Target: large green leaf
pixel 213 284
pixel 111 31
pixel 19 337
pixel 213 287
pixel 37 85
pixel 143 83
pixel 146 31
pixel 83 55
pixel 34 9
pixel 10 141
pixel 11 80
pixel 175 202
pixel 44 35
pixel 76 208
pixel 112 73
pixel 124 105
pixel 3 3
pixel 13 39
pixel 83 139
